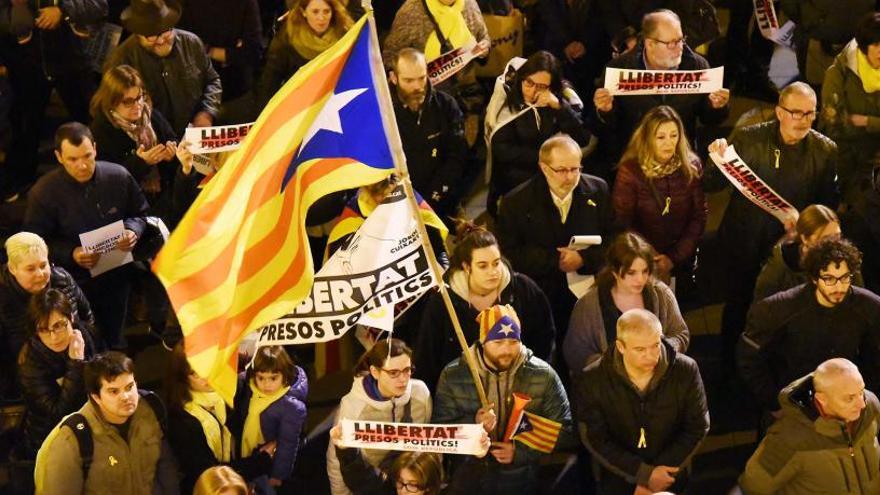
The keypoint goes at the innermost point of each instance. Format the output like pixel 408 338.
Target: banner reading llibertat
pixel 216 139
pixel 752 187
pixel 624 82
pixel 379 265
pixel 441 439
pixel 768 23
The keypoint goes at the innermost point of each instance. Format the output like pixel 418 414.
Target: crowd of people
pixel 592 336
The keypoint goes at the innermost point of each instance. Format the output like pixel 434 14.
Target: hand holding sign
pixel 603 100
pixel 719 98
pixel 84 258
pixel 128 240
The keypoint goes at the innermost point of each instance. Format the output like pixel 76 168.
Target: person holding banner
pixel 537 106
pixel 800 165
pixel 479 277
pixel 663 47
pixel 383 390
pixel 626 282
pixel 516 383
pixel 642 410
pixel 311 27
pixel 659 193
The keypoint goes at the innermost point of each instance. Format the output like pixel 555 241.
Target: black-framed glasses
pixel 408 371
pixel 410 487
pixel 59 326
pixel 671 43
pixel 800 115
pixel 831 280
pixel 534 85
pixel 130 102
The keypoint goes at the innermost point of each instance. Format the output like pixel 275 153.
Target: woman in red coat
pixel 658 192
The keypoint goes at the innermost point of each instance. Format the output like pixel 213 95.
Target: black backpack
pixel 83 431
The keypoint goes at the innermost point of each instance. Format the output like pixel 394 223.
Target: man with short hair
pixel 663 47
pixel 83 195
pixel 797 162
pixel 642 410
pixel 505 367
pixel 825 440
pixel 538 218
pixel 790 333
pixel 432 132
pixel 129 451
pixel 176 70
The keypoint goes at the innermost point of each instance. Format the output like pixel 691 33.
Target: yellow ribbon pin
pixel 113 461
pixel 642 442
pixel 591 202
pixel 666 208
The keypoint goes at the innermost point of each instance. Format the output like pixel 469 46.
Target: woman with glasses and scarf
pixel 383 390
pixel 537 106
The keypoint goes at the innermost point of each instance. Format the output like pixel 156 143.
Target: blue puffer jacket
pixel 282 421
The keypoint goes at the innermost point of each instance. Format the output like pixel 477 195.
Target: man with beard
pixel 642 410
pixel 826 440
pixel 797 162
pixel 790 333
pixel 505 367
pixel 128 451
pixel 432 131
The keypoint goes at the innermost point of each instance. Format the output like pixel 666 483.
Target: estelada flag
pixel 537 432
pixel 240 257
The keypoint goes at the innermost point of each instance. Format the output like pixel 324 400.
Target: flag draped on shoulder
pixel 240 257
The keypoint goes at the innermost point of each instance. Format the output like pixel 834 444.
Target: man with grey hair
pixel 537 219
pixel 663 47
pixel 642 410
pixel 797 162
pixel 826 440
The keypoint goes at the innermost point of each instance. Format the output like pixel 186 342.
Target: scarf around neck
pixel 450 18
pixel 309 44
pixel 869 75
pixel 656 170
pixel 252 434
pixel 210 410
pixel 140 131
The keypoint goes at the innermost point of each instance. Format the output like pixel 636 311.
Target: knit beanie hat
pixel 498 322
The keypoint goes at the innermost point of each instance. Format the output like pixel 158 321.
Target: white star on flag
pixel 506 329
pixel 328 119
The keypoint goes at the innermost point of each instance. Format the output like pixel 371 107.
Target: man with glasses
pixel 663 47
pixel 506 367
pixel 537 219
pixel 176 70
pixel 790 333
pixel 797 162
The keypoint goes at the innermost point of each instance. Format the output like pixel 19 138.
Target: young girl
pixel 271 399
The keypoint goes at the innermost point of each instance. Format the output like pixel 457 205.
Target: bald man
pixel 826 440
pixel 642 410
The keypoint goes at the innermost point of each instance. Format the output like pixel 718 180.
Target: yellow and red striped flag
pixel 240 257
pixel 537 432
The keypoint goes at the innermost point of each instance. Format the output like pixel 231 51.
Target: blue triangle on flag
pixel 525 425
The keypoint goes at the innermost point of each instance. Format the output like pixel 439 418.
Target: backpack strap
pixel 157 406
pixel 82 431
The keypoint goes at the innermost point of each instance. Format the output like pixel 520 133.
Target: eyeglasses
pixel 59 326
pixel 799 115
pixel 410 487
pixel 565 171
pixel 408 371
pixel 831 280
pixel 671 43
pixel 130 102
pixel 156 37
pixel 533 85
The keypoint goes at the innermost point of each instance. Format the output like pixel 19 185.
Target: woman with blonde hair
pixel 311 27
pixel 221 480
pixel 658 192
pixel 131 132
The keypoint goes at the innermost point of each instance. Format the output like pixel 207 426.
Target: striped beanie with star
pixel 498 322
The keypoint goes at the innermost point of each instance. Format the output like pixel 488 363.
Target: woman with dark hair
pixel 383 390
pixel 851 107
pixel 658 191
pixel 197 426
pixel 50 366
pixel 479 278
pixel 537 106
pixel 625 283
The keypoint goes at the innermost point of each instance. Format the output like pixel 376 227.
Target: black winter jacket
pixel 671 416
pixel 789 334
pixel 115 146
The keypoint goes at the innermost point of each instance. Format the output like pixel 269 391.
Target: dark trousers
pixel 742 272
pixel 108 295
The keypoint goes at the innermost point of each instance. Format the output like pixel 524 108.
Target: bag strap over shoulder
pixel 83 433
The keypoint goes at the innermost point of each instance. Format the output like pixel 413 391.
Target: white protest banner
pixel 103 240
pixel 768 23
pixel 216 139
pixel 751 186
pixel 382 263
pixel 449 63
pixel 442 439
pixel 625 82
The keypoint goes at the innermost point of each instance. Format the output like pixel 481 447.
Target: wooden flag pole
pixel 390 123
